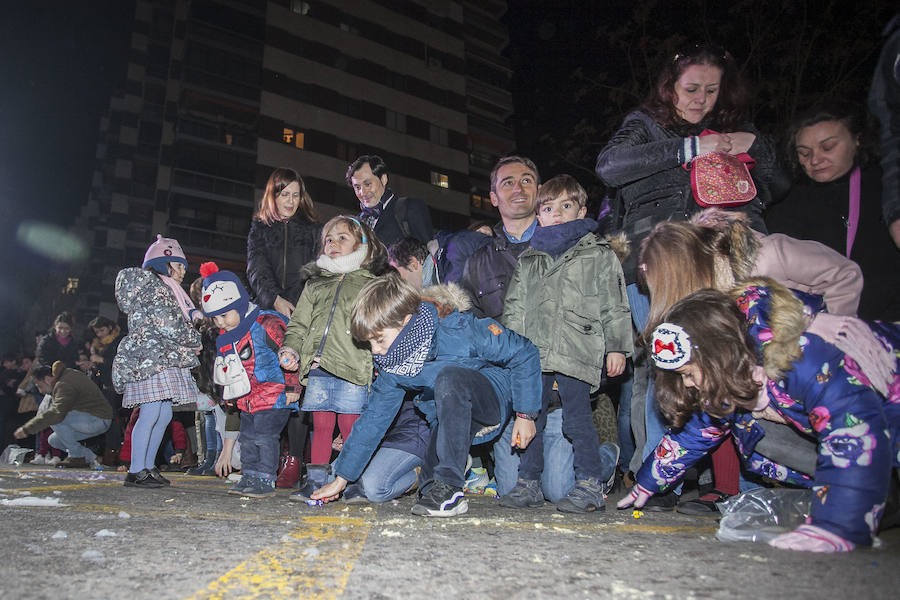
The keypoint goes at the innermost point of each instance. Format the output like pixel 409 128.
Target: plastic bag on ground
pixel 762 514
pixel 16 455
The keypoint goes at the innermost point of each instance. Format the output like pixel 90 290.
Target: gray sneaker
pixel 247 481
pixel 586 496
pixel 261 488
pixel 526 494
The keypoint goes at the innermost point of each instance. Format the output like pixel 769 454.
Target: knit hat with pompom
pixel 222 291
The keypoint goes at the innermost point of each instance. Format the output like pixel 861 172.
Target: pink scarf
pixel 181 297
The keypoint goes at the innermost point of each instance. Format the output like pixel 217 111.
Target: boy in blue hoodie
pixel 469 376
pixel 567 295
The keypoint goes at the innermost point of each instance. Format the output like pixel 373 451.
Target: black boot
pixel 207 467
pixel 316 477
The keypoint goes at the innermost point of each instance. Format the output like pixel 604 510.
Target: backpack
pixel 400 213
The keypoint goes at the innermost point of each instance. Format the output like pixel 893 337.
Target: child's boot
pixel 316 477
pixel 261 488
pixel 290 473
pixel 245 482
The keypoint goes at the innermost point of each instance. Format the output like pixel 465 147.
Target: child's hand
pixel 523 432
pixel 637 497
pixel 337 444
pixel 287 360
pixel 615 364
pixel 175 459
pixel 292 397
pixel 330 491
pixel 223 464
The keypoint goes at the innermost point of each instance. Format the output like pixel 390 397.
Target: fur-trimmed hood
pixel 447 297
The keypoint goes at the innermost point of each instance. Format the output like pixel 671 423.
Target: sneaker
pixel 441 500
pixel 261 488
pixel 245 482
pixel 476 480
pixel 354 494
pixel 525 494
pixel 53 460
pixel 96 465
pixel 39 459
pixel 704 506
pixel 586 496
pixel 142 479
pixel 491 489
pixel 73 462
pixel 664 502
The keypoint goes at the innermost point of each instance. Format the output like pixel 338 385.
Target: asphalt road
pixel 81 534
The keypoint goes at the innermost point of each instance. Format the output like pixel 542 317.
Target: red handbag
pixel 720 179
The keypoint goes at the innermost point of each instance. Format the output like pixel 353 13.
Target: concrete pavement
pixel 81 534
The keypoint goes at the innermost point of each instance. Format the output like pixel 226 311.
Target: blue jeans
pixel 389 474
pixel 465 402
pixel 77 426
pixel 623 418
pixel 213 439
pixel 558 477
pixel 260 434
pixel 654 422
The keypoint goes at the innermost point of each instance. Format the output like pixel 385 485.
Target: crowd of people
pixel 750 318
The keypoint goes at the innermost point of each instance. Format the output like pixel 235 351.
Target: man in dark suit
pixel 392 217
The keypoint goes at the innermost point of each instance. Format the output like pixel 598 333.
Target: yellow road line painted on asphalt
pixel 313 561
pixel 40 489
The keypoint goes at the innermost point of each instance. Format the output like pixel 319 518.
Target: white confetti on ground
pixel 391 533
pixel 105 533
pixel 32 501
pixel 313 551
pixel 25 493
pixel 124 515
pixel 59 535
pixel 92 555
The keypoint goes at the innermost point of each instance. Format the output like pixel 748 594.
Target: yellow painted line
pixel 50 487
pixel 314 561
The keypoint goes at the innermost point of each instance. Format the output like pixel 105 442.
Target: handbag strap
pixel 337 294
pixel 853 216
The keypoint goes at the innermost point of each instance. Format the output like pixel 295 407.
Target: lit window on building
pixel 71 286
pixel 477 200
pixel 294 138
pixel 228 138
pixel 439 179
pixel 299 7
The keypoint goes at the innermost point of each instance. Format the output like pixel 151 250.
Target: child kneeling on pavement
pixel 469 375
pixel 247 366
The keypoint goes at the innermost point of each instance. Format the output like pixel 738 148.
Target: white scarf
pixel 346 263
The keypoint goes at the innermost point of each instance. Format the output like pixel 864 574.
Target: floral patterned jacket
pixel 825 395
pixel 158 337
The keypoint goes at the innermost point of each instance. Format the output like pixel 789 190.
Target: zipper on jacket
pixel 284 259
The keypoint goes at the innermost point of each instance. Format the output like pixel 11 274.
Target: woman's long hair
pixel 730 110
pixel 267 211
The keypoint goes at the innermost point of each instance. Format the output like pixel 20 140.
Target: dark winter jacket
pixel 454 249
pixel 388 228
pixel 49 350
pixel 509 361
pixel 488 271
pixel 884 104
pixel 646 162
pixel 276 254
pixel 572 307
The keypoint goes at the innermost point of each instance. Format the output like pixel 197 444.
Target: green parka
pixel 342 356
pixel 573 308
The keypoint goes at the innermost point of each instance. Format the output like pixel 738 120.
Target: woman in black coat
pixel 58 344
pixel 283 237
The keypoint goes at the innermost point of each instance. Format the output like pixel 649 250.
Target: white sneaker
pixel 38 459
pixel 95 465
pixel 53 460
